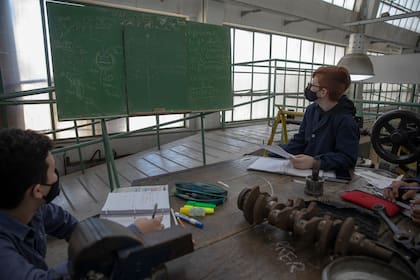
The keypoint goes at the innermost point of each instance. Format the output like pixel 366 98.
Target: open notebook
pixel 128 204
pixel 283 166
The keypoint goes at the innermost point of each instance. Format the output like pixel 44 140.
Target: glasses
pixel 312 85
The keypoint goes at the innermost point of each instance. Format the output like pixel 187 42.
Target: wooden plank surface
pixel 78 189
pixel 93 186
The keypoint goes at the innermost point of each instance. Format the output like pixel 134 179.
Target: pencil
pixel 180 222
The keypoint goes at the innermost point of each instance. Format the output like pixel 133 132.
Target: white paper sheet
pixel 283 166
pixel 375 179
pixel 275 149
pixel 128 204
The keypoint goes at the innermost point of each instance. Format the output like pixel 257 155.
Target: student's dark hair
pixel 23 155
pixel 335 79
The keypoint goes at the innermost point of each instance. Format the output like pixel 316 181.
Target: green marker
pixel 201 204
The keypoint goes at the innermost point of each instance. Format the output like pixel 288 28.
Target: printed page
pixel 275 149
pixel 127 204
pixel 117 202
pixel 300 172
pixel 128 220
pixel 145 197
pixel 269 164
pixel 375 179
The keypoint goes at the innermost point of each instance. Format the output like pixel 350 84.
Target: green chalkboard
pixel 156 70
pixel 208 67
pixel 116 62
pixel 87 53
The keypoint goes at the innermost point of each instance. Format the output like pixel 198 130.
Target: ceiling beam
pixel 381 19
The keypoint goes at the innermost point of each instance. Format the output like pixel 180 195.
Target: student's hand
pixel 149 225
pixel 302 161
pixel 415 210
pixel 393 193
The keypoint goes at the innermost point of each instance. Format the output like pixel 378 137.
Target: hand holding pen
pixel 154 210
pixel 401 189
pixel 150 225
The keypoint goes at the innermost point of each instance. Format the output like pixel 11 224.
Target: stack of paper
pixel 283 166
pixel 375 179
pixel 129 204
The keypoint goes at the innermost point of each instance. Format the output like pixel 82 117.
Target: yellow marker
pixel 206 209
pixel 192 211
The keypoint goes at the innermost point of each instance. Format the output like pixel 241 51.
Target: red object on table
pixel 367 200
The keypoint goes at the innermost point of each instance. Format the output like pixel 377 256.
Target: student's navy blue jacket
pixel 332 135
pixel 23 246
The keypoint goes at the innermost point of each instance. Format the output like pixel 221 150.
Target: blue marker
pixel 189 220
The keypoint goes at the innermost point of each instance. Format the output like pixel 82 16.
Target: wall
pixel 403 68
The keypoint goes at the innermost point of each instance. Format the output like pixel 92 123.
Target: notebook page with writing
pixel 127 204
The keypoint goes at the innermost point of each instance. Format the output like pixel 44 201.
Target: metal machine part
pixel 400 237
pixel 314 185
pixel 329 235
pixel 349 241
pixel 105 249
pixel 395 136
pixel 361 267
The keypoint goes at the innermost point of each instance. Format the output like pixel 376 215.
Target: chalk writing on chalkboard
pixel 115 62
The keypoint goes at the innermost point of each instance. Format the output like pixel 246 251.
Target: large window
pixel 273 69
pixel 346 4
pixel 269 69
pixel 397 7
pixel 31 73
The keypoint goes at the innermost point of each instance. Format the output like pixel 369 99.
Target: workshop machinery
pixel 395 137
pixel 102 249
pixel 329 235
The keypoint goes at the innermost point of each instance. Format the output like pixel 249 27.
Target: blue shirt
pixel 332 135
pixel 23 246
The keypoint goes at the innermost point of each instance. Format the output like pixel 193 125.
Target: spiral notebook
pixel 128 204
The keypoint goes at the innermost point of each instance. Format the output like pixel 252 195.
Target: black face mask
pixel 310 95
pixel 54 190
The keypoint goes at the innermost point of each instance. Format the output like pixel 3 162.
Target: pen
pixel 154 210
pixel 331 179
pixel 190 220
pixel 398 203
pixel 173 217
pixel 405 188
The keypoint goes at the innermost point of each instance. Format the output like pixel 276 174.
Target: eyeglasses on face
pixel 312 85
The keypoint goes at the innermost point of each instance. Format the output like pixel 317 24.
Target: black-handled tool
pixel 315 168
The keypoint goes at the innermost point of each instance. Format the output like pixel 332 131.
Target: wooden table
pixel 228 247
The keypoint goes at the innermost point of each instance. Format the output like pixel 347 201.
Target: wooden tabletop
pixel 228 247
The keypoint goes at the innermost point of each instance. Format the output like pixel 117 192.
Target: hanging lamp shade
pixel 356 60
